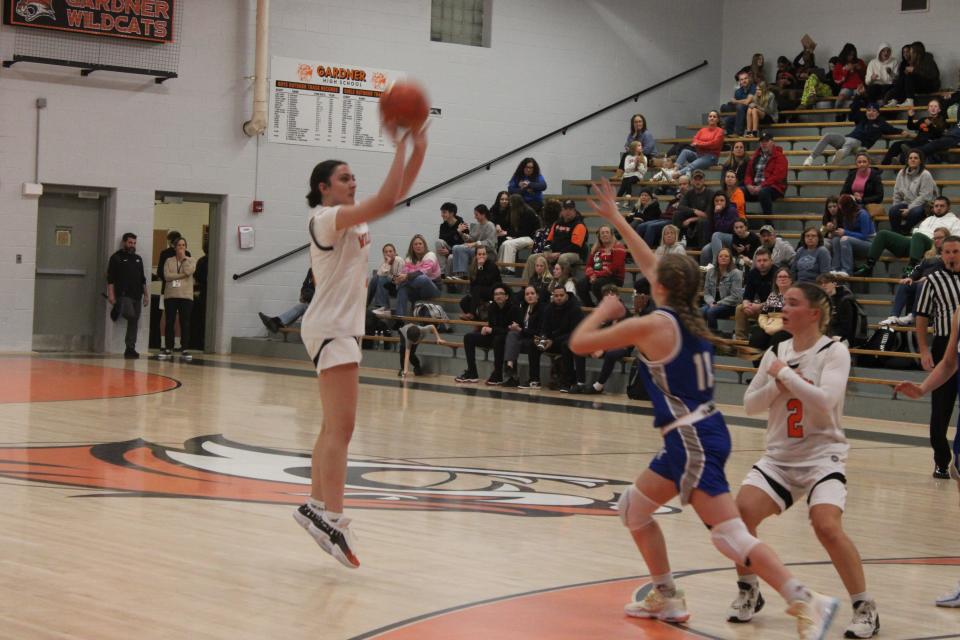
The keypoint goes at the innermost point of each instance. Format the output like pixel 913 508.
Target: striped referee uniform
pixel 938 301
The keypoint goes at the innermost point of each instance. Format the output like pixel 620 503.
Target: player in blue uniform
pixel 677 366
pixel 937 378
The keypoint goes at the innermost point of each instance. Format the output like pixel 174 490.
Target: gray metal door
pixel 68 283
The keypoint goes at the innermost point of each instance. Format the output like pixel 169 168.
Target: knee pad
pixel 636 509
pixel 733 540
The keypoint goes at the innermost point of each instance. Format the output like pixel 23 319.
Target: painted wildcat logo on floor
pixel 213 467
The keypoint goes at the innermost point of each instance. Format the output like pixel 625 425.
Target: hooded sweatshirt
pixel 914 187
pixel 886 72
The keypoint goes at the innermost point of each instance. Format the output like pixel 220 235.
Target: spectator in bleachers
pixel 522 331
pixel 614 356
pixel 639 133
pixel 669 242
pixel 563 277
pixel 605 265
pixel 449 235
pixel 742 98
pixel 917 244
pixel 908 290
pixel 683 185
pixel 769 330
pixel 693 211
pixel 913 191
pixel 704 150
pixel 881 73
pixel 416 281
pixel 294 313
pixel 382 283
pixel 786 86
pixel 634 166
pixel 646 214
pixel 831 216
pixel 756 69
pixel 491 335
pixel 918 74
pixel 781 251
pixel 529 183
pixel 723 215
pixel 735 194
pixel 758 282
pixel 520 225
pixel 850 236
pixel 500 214
pixel 815 89
pixel 482 233
pixel 763 110
pixel 812 257
pixel 484 278
pixel 869 127
pixel 950 137
pixel 568 237
pixel 560 318
pixel 736 161
pixel 541 279
pixel 722 289
pixel 844 316
pixel 743 243
pixel 928 128
pixel 863 182
pixel 766 177
pixel 541 246
pixel 849 73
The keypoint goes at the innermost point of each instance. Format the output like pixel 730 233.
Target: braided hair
pixel 680 276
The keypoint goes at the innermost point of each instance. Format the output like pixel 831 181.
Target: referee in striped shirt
pixel 939 299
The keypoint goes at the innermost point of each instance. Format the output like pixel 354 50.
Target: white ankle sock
pixel 333 516
pixel 317 505
pixel 665 585
pixel 750 578
pixel 598 386
pixel 860 597
pixel 792 590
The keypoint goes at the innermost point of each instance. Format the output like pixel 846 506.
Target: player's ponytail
pixel 321 174
pixel 680 276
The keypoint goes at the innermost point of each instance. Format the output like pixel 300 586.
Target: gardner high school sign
pixel 139 19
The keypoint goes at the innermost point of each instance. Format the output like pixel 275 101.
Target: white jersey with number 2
pixel 803 426
pixel 338 260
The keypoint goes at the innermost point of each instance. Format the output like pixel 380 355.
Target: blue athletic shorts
pixel 693 457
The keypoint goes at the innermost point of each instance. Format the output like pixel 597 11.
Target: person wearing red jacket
pixel 766 176
pixel 848 72
pixel 605 265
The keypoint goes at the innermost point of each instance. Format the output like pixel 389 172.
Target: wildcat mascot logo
pixel 213 467
pixel 30 10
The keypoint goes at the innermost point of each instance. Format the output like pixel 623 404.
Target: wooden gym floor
pixel 153 500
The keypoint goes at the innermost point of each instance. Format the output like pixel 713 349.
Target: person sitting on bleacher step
pixel 491 335
pixel 908 290
pixel 781 251
pixel 766 177
pixel 449 236
pixel 915 245
pixel 693 212
pixel 870 126
pixel 294 313
pixel 758 283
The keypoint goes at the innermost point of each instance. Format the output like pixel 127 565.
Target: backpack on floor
pixel 635 388
pixel 861 325
pixel 435 311
pixel 886 339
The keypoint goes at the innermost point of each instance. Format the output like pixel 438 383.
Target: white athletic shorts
pixel 823 482
pixel 333 352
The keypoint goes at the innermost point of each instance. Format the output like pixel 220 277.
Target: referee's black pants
pixel 941 407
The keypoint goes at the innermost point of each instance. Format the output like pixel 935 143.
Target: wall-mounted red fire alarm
pixel 257 206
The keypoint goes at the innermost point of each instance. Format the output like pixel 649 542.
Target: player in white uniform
pixel 802 381
pixel 334 323
pixel 937 378
pixel 675 357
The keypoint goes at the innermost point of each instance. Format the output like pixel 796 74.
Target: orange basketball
pixel 404 104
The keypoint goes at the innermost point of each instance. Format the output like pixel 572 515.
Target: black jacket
pixel 307 288
pixel 528 224
pixel 125 273
pixel 926 267
pixel 843 316
pixel 484 281
pixel 872 191
pixel 757 287
pixel 651 213
pixel 562 236
pixel 748 245
pixel 868 131
pixel 449 234
pixel 529 327
pixel 499 318
pixel 560 321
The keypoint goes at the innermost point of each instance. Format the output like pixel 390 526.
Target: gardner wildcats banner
pixel 150 20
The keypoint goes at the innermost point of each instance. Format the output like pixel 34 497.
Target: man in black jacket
pixel 492 335
pixel 568 237
pixel 757 286
pixel 694 213
pixel 291 315
pixel 126 286
pixel 560 318
pixel 449 237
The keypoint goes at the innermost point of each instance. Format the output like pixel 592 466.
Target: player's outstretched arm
pixel 382 202
pixel 604 203
pixel 589 337
pixel 940 374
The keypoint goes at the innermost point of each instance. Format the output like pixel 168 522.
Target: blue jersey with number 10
pixel 683 381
